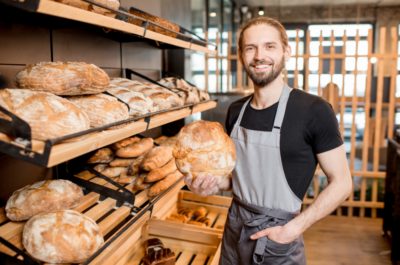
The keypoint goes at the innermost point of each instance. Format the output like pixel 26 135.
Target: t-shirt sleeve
pixel 322 127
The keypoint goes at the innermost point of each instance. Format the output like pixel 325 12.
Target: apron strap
pixel 280 113
pixel 239 120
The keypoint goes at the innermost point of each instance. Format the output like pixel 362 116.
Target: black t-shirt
pixel 309 127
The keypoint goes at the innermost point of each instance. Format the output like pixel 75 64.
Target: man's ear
pixel 288 52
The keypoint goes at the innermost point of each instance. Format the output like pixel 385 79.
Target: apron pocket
pixel 230 237
pixel 277 249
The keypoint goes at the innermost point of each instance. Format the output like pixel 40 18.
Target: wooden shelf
pixel 66 151
pixel 56 9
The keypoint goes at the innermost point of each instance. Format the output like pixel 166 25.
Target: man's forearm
pixel 226 184
pixel 327 201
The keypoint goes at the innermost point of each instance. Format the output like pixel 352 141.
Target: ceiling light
pixel 373 60
pixel 261 12
pixel 244 9
pixel 213 14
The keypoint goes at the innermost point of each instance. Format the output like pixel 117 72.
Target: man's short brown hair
pixel 267 21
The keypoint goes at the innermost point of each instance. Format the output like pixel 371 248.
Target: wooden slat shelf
pixel 66 151
pixel 56 9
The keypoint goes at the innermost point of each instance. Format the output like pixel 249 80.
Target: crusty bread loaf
pixel 61 237
pixel 139 104
pixel 41 197
pixel 125 178
pixel 71 78
pixel 121 162
pixel 90 7
pixel 125 142
pixel 161 172
pixel 135 149
pixel 170 141
pixel 160 139
pixel 103 155
pixel 49 116
pixel 157 157
pixel 113 172
pixel 164 184
pixel 100 167
pixel 204 148
pixel 102 109
pixel 188 93
pixel 140 184
pixel 160 21
pixel 161 101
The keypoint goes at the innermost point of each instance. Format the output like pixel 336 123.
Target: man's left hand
pixel 280 234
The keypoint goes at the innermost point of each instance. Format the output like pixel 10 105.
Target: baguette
pixel 140 184
pixel 104 155
pixel 157 157
pixel 160 139
pixel 121 162
pixel 164 184
pixel 135 166
pixel 136 149
pixel 161 172
pixel 125 142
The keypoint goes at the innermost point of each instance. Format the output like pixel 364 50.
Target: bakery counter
pixel 51 153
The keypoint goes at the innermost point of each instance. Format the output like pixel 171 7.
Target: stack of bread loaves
pixel 189 93
pixel 54 233
pixel 162 97
pixel 93 8
pixel 138 161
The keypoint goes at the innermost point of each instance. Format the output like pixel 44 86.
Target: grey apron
pixel 262 197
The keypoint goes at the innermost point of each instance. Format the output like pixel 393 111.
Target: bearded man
pixel 280 135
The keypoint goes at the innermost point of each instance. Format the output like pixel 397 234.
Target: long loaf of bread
pixel 140 184
pixel 135 166
pixel 136 149
pixel 125 142
pixel 157 157
pixel 161 172
pixel 164 184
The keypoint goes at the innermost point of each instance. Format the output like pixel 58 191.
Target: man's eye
pixel 249 48
pixel 270 47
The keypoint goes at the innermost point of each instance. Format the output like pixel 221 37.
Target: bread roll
pixel 125 142
pixel 140 184
pixel 135 166
pixel 160 139
pixel 100 167
pixel 138 104
pixel 41 197
pixel 184 211
pixel 102 109
pixel 60 78
pixel 61 237
pixel 103 155
pixel 164 184
pixel 121 162
pixel 152 244
pixel 125 178
pixel 48 115
pixel 177 218
pixel 112 172
pixel 163 256
pixel 157 157
pixel 136 149
pixel 162 172
pixel 204 148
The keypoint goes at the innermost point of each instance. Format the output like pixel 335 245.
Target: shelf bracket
pixel 144 25
pixel 147 120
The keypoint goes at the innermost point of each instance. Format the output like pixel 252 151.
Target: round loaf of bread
pixel 48 115
pixel 63 78
pixel 204 148
pixel 43 196
pixel 63 236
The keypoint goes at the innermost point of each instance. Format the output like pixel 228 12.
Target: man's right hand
pixel 203 185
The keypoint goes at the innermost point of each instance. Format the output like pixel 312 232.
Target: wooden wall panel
pixel 23 44
pixel 7 74
pixel 140 55
pixel 81 45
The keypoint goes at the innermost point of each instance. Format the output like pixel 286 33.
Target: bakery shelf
pixel 55 9
pixel 53 152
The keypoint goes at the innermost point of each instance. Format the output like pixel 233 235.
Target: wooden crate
pixel 217 207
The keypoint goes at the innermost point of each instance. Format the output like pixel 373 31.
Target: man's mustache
pixel 261 62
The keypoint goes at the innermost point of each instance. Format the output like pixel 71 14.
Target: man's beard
pixel 264 78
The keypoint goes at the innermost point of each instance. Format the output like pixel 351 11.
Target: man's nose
pixel 260 54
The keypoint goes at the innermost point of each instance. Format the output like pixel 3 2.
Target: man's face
pixel 263 55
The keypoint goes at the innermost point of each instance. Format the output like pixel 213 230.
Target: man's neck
pixel 268 95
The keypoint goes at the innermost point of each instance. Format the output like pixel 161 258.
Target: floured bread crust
pixel 48 115
pixel 43 196
pixel 102 109
pixel 63 78
pixel 62 237
pixel 204 148
pixel 138 103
